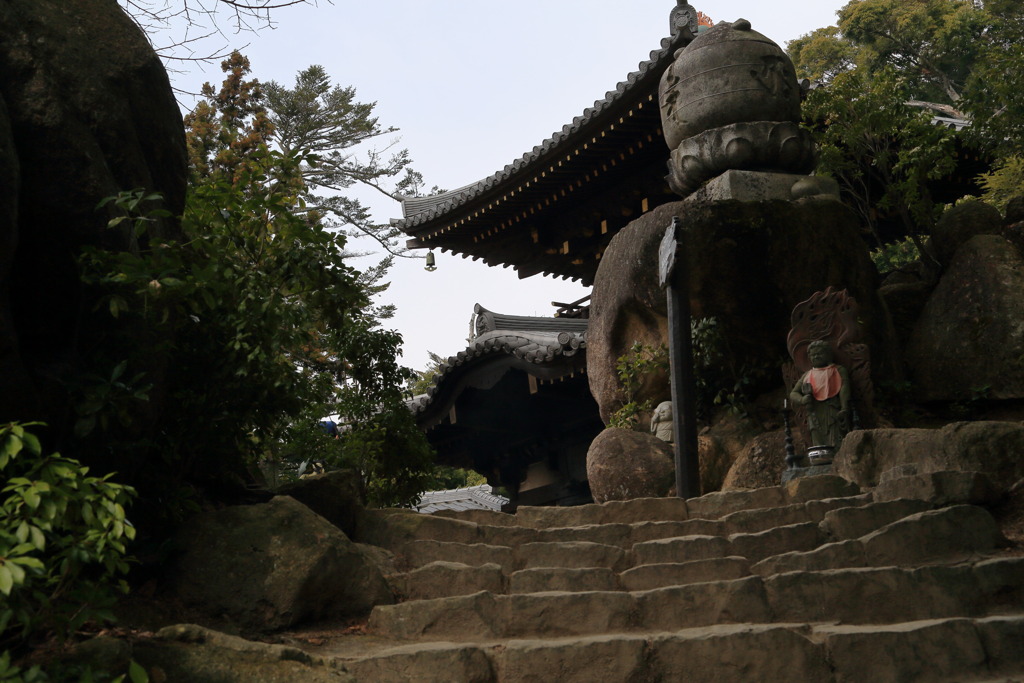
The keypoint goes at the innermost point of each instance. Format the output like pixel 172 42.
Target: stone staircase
pixel 814 581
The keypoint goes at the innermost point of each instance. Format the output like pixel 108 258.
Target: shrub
pixel 63 537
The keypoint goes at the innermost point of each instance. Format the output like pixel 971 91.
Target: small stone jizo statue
pixel 825 391
pixel 661 422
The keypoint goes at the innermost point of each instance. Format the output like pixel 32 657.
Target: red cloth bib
pixel 825 382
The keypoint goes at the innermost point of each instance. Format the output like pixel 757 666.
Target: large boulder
pixel 187 652
pixel 750 263
pixel 962 222
pixel 905 301
pixel 721 443
pixel 623 464
pixel 991 447
pixel 969 341
pixel 270 566
pixel 760 464
pixel 336 496
pixel 86 111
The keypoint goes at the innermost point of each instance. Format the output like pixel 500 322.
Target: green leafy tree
pixel 882 152
pixel 266 327
pixel 896 255
pixel 995 95
pixel 934 44
pixel 328 125
pixel 63 537
pixel 446 478
pixel 424 379
pixel 958 58
pixel 822 54
pixel 1004 182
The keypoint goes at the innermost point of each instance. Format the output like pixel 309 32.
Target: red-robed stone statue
pixel 825 391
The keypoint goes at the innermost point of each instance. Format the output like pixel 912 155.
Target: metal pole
pixel 675 278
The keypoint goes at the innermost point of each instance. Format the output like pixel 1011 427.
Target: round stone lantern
pixel 731 100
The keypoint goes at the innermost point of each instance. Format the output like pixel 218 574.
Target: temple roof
pixel 546 348
pixel 480 497
pixel 555 209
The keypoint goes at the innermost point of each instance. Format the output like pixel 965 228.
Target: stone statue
pixel 824 391
pixel 661 422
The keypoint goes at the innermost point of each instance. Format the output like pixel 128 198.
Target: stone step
pixel 710 506
pixel 416 554
pixel 447 579
pixel 948 534
pixel 624 523
pixel 620 523
pixel 930 650
pixel 952 649
pixel 851 522
pixel 754 547
pixel 571 554
pixel 945 535
pixel 624 535
pixel 649 576
pixel 545 579
pixel 849 596
pixel 624 512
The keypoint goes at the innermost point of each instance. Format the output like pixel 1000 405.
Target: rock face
pixel 969 339
pixel 990 447
pixel 273 565
pixel 187 652
pixel 962 222
pixel 336 496
pixel 750 264
pixel 760 464
pixel 622 464
pixel 86 111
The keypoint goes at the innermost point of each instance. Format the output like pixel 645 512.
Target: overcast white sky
pixel 473 85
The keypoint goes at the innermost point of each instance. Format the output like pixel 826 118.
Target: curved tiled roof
pixel 537 348
pixel 488 321
pixel 420 210
pixel 480 497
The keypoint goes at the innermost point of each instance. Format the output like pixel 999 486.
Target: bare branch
pixel 179 30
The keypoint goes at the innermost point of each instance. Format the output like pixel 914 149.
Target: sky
pixel 473 85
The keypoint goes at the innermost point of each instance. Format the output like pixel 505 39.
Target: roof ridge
pixel 455 198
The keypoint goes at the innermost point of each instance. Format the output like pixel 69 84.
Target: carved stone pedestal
pixel 799 472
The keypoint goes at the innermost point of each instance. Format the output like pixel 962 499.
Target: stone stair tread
pixel 854 522
pixel 852 596
pixel 618 534
pixel 544 579
pixel 638 509
pixel 961 649
pixel 570 554
pixel 422 552
pixel 793 537
pixel 945 535
pixel 753 546
pixel 762 519
pixel 807 581
pixel 928 649
pixel 442 578
pixel 709 506
pixel 648 576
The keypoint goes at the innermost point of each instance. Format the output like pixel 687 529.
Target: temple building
pixel 515 404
